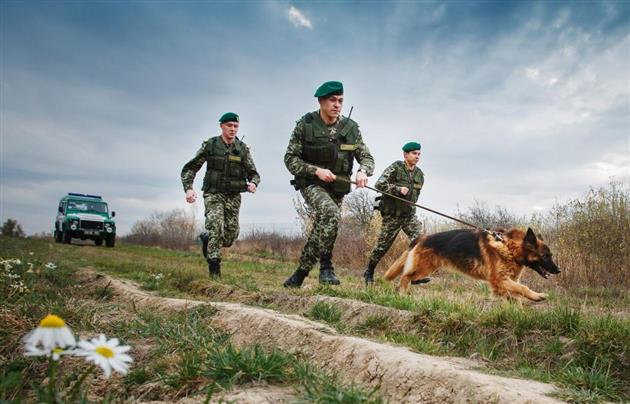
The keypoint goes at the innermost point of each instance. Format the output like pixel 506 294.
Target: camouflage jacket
pixel 293 158
pixel 387 181
pixel 190 169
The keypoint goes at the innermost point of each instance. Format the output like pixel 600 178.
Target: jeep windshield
pixel 86 206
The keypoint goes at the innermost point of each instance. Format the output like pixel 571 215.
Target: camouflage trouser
pixel 221 221
pixel 322 238
pixel 390 227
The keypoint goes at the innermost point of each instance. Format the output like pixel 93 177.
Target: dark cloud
pixel 518 103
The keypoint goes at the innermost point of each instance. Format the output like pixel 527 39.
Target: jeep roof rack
pixel 85 195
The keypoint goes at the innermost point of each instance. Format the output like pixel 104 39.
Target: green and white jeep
pixel 85 217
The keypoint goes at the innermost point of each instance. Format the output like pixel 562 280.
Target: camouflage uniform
pixel 324 198
pixel 396 215
pixel 222 204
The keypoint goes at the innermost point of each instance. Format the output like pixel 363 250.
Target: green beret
pixel 228 117
pixel 411 146
pixel 329 88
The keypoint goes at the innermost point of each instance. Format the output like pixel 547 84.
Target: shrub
pixel 173 229
pixel 12 228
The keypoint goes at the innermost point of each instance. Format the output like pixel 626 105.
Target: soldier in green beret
pixel 320 155
pixel 405 180
pixel 230 170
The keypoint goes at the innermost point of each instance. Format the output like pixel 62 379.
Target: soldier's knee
pixel 330 214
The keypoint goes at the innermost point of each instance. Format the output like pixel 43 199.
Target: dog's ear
pixel 530 237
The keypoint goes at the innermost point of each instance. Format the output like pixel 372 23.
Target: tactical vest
pixel 225 167
pixel 403 178
pixel 331 151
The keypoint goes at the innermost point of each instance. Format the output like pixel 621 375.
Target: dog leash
pixel 497 235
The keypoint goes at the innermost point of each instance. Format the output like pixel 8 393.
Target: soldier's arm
pixel 386 182
pixel 190 169
pixel 250 169
pixel 293 155
pixel 363 156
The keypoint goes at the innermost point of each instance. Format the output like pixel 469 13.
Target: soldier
pixel 320 155
pixel 230 170
pixel 403 179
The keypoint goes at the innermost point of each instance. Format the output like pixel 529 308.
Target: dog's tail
pixel 396 267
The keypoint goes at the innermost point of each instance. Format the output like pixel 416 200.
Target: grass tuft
pixel 325 312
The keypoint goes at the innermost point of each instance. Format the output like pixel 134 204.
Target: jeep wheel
pixel 110 241
pixel 98 242
pixel 58 236
pixel 67 237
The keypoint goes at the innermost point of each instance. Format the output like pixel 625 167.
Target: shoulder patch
pixel 308 118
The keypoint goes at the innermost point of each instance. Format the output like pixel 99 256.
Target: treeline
pixel 589 236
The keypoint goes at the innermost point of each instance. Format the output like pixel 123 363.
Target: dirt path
pixel 403 376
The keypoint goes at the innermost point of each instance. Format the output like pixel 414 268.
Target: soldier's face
pixel 412 158
pixel 229 130
pixel 331 106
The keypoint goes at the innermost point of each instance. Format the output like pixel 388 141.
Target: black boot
pixel 368 275
pixel 326 271
pixel 296 280
pixel 421 281
pixel 204 244
pixel 214 267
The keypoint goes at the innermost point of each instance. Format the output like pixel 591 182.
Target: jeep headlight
pixel 74 225
pixel 109 227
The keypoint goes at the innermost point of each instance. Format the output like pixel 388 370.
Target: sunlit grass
pixel 579 342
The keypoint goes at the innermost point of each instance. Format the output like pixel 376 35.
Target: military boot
pixel 326 271
pixel 214 267
pixel 204 244
pixel 296 280
pixel 368 275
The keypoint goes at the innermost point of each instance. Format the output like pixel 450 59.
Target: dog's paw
pixel 541 296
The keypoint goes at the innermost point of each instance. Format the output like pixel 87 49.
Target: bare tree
pixel 173 229
pixel 482 216
pixel 360 207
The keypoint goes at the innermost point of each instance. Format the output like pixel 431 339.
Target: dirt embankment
pixel 401 375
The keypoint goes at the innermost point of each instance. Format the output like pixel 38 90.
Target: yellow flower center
pixel 57 350
pixel 52 321
pixel 104 351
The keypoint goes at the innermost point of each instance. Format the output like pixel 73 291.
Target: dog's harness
pixel 498 236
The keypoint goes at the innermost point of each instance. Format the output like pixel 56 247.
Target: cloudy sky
pixel 518 104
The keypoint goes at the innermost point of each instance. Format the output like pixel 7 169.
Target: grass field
pixel 579 341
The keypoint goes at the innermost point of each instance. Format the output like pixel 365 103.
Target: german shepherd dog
pixel 497 257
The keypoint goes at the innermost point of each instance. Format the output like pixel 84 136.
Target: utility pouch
pixel 300 183
pixel 237 186
pixel 341 185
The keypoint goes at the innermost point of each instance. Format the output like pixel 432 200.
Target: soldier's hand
pixel 404 190
pixel 361 179
pixel 251 187
pixel 325 175
pixel 191 197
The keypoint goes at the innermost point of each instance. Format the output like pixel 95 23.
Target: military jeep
pixel 85 217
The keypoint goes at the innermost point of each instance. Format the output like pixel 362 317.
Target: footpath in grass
pixel 584 351
pixel 176 355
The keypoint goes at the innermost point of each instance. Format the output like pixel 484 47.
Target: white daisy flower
pixel 55 352
pixel 50 265
pixel 52 332
pixel 106 354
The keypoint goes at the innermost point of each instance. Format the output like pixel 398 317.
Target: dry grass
pixel 590 238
